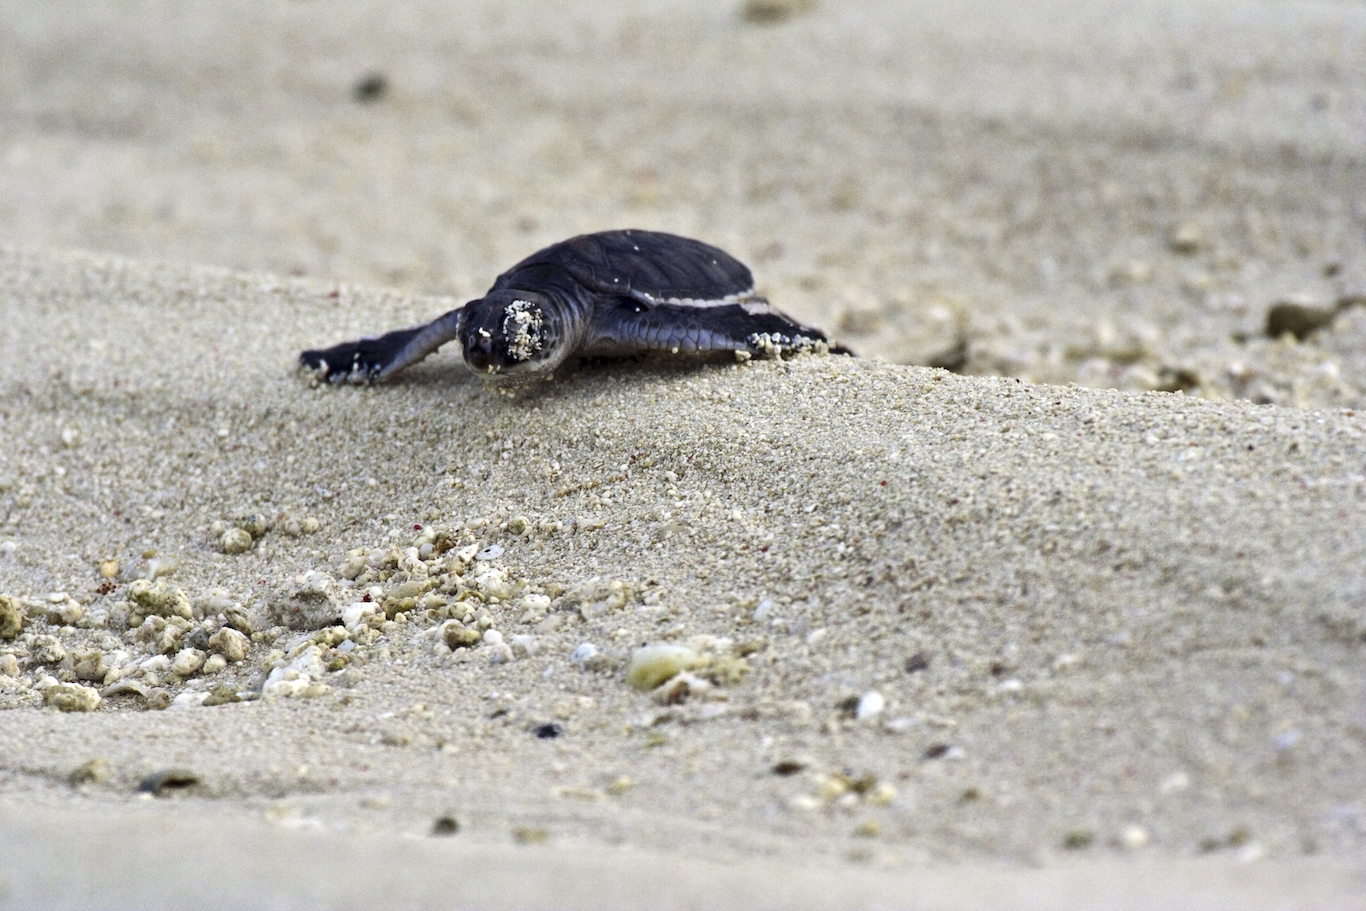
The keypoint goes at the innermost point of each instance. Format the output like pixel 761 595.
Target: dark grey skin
pixel 611 294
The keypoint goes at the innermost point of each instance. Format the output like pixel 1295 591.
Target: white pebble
pixel 583 653
pixel 1133 837
pixel 189 700
pixel 156 664
pixel 535 602
pixel 358 615
pixel 187 661
pixel 870 705
pixel 229 643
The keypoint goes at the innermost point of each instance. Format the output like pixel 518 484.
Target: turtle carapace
pixel 612 294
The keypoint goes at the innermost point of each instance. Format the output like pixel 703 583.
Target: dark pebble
pixel 936 750
pixel 920 661
pixel 1300 320
pixel 167 782
pixel 370 87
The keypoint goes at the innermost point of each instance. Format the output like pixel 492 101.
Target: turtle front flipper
pixel 750 325
pixel 371 360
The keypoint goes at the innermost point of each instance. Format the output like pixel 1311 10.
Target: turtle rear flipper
pixel 751 325
pixel 371 360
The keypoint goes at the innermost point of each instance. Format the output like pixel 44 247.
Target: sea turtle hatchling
pixel 612 294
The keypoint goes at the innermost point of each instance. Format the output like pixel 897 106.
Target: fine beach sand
pixel 975 639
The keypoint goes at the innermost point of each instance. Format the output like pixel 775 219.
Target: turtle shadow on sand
pixel 447 374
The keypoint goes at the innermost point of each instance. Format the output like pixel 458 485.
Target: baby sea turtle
pixel 612 294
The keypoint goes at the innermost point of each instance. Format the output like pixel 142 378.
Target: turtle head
pixel 513 336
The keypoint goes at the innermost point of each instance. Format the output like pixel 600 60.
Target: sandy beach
pixel 1079 623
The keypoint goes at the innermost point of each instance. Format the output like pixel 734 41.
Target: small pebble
pixel 769 11
pixel 1298 319
pixel 187 662
pixel 221 695
pixel 868 829
pixel 1078 839
pixel 530 835
pixel 255 525
pixel 870 705
pixel 1185 239
pixel 312 601
pixel 651 665
pixel 71 697
pixel 168 782
pixel 370 88
pixel 89 664
pixel 92 772
pixel 457 636
pixel 11 617
pixel 524 646
pixel 1133 837
pixel 47 650
pixel 156 567
pixel 67 613
pixel 548 731
pixel 680 688
pixel 235 541
pixel 189 700
pixel 920 661
pixel 230 644
pixel 157 599
pixel 445 825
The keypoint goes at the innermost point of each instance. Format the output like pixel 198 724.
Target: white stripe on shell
pixel 752 302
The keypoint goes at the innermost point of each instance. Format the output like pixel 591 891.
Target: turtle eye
pixel 522 321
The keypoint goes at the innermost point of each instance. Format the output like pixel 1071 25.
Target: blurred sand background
pixel 1117 633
